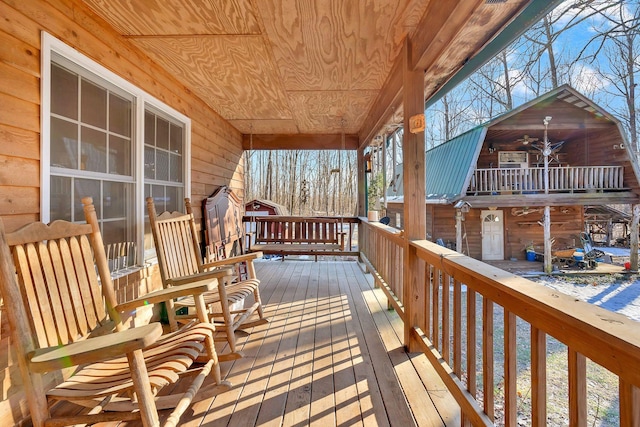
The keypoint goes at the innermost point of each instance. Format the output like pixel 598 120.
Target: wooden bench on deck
pixel 292 235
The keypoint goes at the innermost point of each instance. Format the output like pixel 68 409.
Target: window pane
pixel 64 92
pixel 94 150
pixel 119 156
pixel 176 139
pixel 175 168
pixel 115 200
pixel 94 105
pixel 114 232
pixel 149 162
pixel 149 128
pixel 159 200
pixel 174 199
pixel 119 115
pixel 162 166
pixel 84 188
pixel 64 144
pixel 60 204
pixel 162 133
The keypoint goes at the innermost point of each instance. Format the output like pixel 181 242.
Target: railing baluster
pixel 488 358
pixel 629 407
pixel 538 377
pixel 457 327
pixel 577 389
pixel 510 373
pixel 471 342
pixel 435 299
pixel 428 296
pixel 446 318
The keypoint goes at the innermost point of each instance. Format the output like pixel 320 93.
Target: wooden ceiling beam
pixel 299 142
pixel 437 29
pixel 389 99
pixel 431 41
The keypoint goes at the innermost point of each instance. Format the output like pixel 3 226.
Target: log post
pixel 633 237
pixel 362 197
pixel 415 215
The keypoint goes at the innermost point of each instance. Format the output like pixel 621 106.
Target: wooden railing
pixel 381 249
pixel 482 328
pixel 561 179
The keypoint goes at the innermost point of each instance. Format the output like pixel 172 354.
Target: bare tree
pixel 619 44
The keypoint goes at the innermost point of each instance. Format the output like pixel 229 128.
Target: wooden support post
pixel 548 267
pixel 362 208
pixel 459 231
pixel 633 237
pixel 415 216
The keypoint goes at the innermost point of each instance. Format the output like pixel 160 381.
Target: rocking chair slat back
pixel 56 274
pixel 177 249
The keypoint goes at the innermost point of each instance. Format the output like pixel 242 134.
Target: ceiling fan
pixel 526 139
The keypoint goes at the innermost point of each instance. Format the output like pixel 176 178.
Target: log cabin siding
pixel 520 229
pixel 216 151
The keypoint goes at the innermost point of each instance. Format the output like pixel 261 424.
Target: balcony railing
pixel 469 321
pixel 561 180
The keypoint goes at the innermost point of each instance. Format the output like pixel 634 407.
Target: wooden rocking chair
pixel 63 332
pixel 180 261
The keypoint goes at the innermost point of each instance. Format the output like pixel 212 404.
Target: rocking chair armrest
pixel 96 349
pixel 194 286
pixel 233 260
pixel 218 273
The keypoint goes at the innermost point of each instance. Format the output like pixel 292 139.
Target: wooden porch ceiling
pixel 293 70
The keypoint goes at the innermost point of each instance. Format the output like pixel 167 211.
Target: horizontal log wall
pixel 520 228
pixel 216 145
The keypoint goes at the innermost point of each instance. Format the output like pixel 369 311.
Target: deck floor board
pixel 331 355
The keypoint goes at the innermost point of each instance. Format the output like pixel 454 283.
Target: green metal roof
pixel 449 166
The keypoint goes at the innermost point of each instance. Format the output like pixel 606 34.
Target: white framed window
pixel 106 138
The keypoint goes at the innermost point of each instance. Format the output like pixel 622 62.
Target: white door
pixel 492 235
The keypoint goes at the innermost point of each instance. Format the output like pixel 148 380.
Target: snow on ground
pixel 618 293
pixel 621 295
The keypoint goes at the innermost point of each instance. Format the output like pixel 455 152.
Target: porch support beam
pixel 299 142
pixel 633 238
pixel 362 197
pixel 415 215
pixel 548 266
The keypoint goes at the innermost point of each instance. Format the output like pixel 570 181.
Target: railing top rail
pixel 609 339
pixel 393 234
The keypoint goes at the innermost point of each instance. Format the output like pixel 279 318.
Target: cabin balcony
pixel 562 179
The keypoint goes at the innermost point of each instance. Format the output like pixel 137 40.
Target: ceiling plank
pixel 300 142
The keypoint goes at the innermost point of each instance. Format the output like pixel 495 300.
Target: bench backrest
pixel 271 229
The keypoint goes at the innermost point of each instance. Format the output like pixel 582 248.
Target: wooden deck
pixel 330 356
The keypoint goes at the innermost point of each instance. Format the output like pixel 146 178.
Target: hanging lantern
pixel 367 163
